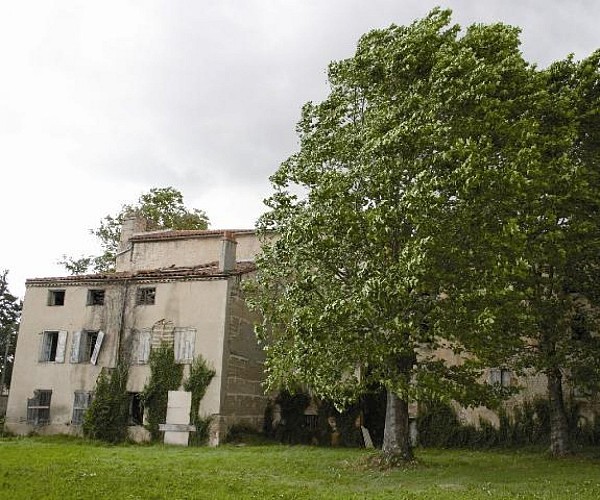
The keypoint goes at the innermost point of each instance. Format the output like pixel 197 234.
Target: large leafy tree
pixel 162 207
pixel 423 186
pixel 10 312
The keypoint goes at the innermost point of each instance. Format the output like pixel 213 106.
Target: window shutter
pixel 75 347
pixel 61 347
pixel 44 347
pixel 190 340
pixel 143 351
pixel 184 345
pixel 97 347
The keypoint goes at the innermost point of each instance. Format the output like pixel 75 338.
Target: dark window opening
pixel 56 297
pixel 136 409
pixel 145 296
pixel 88 344
pixel 49 346
pixel 95 298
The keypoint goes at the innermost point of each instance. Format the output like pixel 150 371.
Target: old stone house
pixel 179 287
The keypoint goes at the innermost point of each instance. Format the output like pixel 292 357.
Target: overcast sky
pixel 102 100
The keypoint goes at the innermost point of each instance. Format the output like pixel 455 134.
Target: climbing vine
pixel 197 383
pixel 107 417
pixel 165 376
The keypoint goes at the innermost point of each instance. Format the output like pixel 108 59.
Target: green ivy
pixel 107 417
pixel 197 383
pixel 165 376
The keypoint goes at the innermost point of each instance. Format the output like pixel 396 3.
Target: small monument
pixel 177 428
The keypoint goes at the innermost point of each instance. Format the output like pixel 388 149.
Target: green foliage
pixel 527 424
pixel 107 418
pixel 10 313
pixel 197 383
pixel 449 196
pixel 163 208
pixel 165 376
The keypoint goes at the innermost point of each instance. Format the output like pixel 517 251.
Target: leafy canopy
pixel 450 205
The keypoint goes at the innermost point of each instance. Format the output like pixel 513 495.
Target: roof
pixel 173 234
pixel 204 271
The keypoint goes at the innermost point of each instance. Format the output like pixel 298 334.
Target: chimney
pixel 227 258
pixel 131 225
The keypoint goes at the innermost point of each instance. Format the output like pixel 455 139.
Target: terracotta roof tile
pixel 210 270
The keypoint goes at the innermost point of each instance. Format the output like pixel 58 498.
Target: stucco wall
pixel 199 304
pixel 156 254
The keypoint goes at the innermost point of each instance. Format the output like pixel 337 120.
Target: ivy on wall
pixel 165 376
pixel 197 383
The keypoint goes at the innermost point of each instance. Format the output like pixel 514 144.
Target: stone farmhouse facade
pixel 175 287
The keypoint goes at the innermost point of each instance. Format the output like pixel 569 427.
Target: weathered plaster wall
pixel 62 378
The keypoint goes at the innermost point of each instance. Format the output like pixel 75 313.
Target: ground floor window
pixel 136 409
pixel 81 402
pixel 38 407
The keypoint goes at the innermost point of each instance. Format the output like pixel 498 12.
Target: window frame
pixel 38 407
pixel 56 297
pixel 83 349
pixel 93 299
pixel 145 296
pixel 81 403
pixel 53 344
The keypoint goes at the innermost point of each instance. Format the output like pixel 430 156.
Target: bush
pixel 107 417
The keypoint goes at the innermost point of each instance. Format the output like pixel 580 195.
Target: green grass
pixel 71 468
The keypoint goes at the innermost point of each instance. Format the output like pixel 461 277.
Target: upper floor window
pixel 56 297
pixel 145 296
pixel 52 346
pixel 95 297
pixel 500 376
pixel 86 346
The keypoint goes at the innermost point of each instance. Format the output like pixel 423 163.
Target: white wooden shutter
pixel 97 346
pixel 61 347
pixel 44 348
pixel 75 347
pixel 143 347
pixel 185 339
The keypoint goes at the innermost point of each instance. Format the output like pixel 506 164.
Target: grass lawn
pixel 59 467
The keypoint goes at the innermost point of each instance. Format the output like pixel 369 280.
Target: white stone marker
pixel 178 428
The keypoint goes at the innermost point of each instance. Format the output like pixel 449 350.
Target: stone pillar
pixel 177 428
pixel 228 250
pixel 131 225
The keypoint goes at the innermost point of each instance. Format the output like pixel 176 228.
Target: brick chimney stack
pixel 132 224
pixel 228 248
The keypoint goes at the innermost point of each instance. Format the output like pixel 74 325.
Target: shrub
pixel 108 415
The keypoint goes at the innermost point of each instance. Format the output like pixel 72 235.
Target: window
pixel 81 402
pixel 136 409
pixel 86 345
pixel 145 296
pixel 95 298
pixel 500 376
pixel 56 297
pixel 185 339
pixel 38 407
pixel 141 347
pixel 52 348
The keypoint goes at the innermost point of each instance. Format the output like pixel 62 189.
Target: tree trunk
pixel 559 428
pixel 396 435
